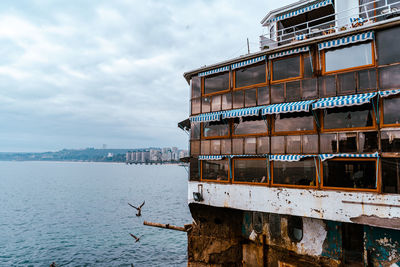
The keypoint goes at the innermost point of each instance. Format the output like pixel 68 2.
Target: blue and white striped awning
pixel 289 158
pixel 324 157
pixel 249 156
pixel 210 157
pixel 343 101
pixel 243 112
pixel 248 62
pixel 209 72
pixel 290 52
pixel 389 93
pixel 301 106
pixel 214 116
pixel 301 11
pixel 361 37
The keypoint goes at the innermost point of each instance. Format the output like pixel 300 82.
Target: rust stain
pixel 393 223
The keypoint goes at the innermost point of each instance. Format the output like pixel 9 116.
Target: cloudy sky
pixel 83 73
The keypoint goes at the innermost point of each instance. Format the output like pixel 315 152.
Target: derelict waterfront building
pixel 295 149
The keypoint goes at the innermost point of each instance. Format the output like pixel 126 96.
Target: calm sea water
pixel 76 214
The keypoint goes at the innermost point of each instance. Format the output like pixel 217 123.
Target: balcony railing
pixel 364 14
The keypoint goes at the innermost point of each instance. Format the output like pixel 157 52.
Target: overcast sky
pixel 77 74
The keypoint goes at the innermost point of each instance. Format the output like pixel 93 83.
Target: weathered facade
pixel 295 149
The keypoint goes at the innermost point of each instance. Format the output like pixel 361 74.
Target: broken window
pixel 250 170
pixel 249 125
pixel 215 129
pixel 368 142
pixel 347 142
pixel 390 141
pixel 216 83
pixel 391 175
pixel 217 170
pixel 294 173
pixel 348 117
pixel 360 174
pixel 253 74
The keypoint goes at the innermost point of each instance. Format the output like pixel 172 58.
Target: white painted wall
pixel 328 205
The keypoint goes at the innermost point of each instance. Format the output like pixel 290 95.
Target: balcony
pixel 325 18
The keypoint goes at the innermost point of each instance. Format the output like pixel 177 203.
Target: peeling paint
pixel 314 235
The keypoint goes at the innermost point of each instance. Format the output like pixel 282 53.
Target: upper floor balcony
pixel 308 19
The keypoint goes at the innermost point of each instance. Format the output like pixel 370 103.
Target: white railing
pixel 332 23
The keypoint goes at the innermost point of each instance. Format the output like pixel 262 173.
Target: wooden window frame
pixel 323 61
pixel 267 183
pixel 381 115
pixel 249 135
pixel 295 186
pixel 213 181
pixel 273 133
pixel 378 182
pixel 287 79
pixel 216 137
pixel 323 130
pixel 203 83
pixel 252 85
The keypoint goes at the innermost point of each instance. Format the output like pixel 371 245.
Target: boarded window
pixel 390 141
pixel 216 83
pixel 249 125
pixel 215 170
pixel 348 57
pixel 294 173
pixel 391 110
pixel 348 117
pixel 250 170
pixel 359 174
pixel 215 129
pixel 391 175
pixel 387 45
pixel 253 74
pixel 294 122
pixel 286 68
pixel 196 87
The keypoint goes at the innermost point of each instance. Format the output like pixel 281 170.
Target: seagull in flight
pixel 135 237
pixel 139 209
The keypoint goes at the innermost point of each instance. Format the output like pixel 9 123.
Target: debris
pixel 168 226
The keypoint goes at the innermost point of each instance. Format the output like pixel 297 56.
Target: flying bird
pixel 139 209
pixel 135 237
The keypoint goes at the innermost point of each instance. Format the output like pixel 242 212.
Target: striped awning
pixel 214 116
pixel 343 101
pixel 324 157
pixel 361 37
pixel 290 52
pixel 301 106
pixel 289 157
pixel 301 11
pixel 248 156
pixel 209 72
pixel 243 112
pixel 210 157
pixel 247 62
pixel 389 93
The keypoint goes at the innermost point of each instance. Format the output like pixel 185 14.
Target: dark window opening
pixel 348 117
pixel 350 174
pixel 353 244
pixel 391 175
pixel 390 141
pixel 368 142
pixel 250 75
pixel 274 225
pixel 194 170
pixel 250 170
pixel 258 222
pixel 295 228
pixel 391 110
pixel 216 83
pixel 215 170
pixel 294 173
pixel 348 142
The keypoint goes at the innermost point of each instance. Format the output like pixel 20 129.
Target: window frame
pixel 214 181
pixel 250 135
pixel 272 163
pixel 381 115
pixel 287 79
pixel 323 130
pixel 267 183
pixel 203 84
pixel 323 62
pixel 216 137
pixel 274 133
pixel 251 85
pixel 377 182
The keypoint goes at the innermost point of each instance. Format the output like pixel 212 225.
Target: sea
pixel 77 214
